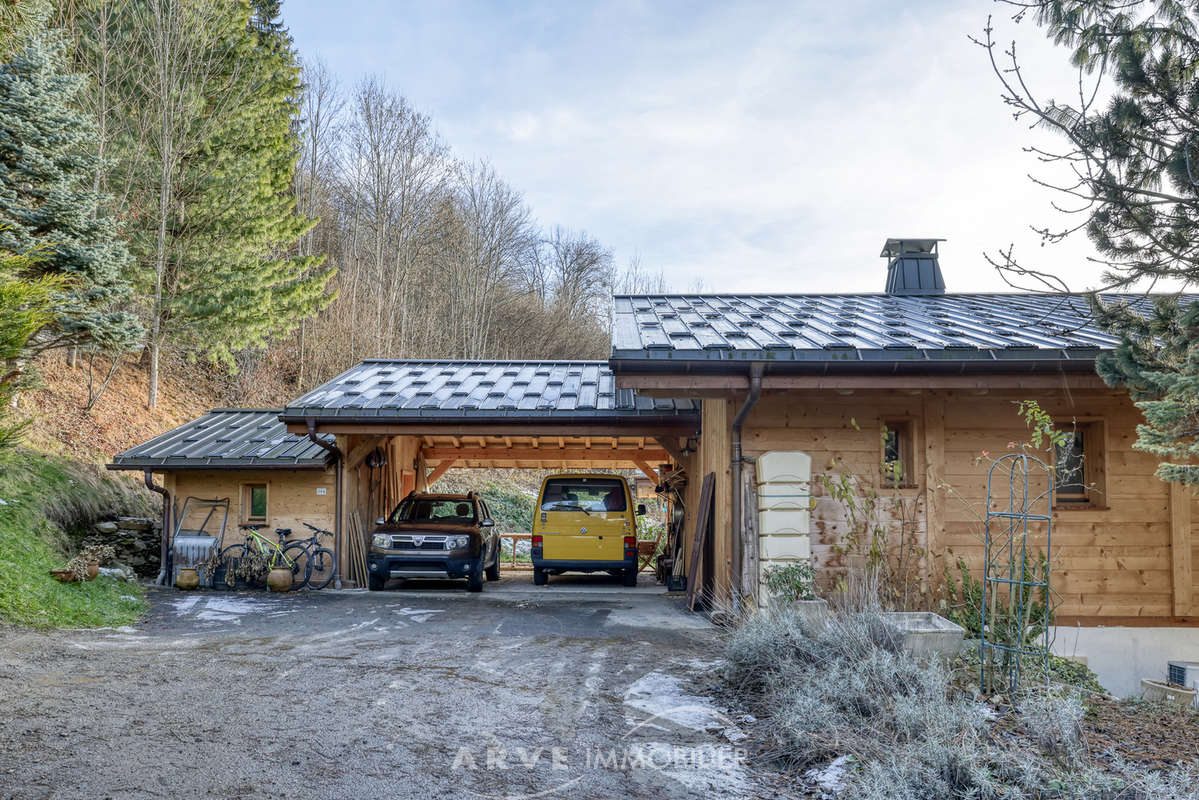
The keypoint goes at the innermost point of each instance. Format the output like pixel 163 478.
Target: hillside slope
pixel 60 425
pixel 54 488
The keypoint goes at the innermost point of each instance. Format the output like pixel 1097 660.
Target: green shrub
pixel 795 581
pixel 42 495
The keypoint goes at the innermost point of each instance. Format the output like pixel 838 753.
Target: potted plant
pixel 85 565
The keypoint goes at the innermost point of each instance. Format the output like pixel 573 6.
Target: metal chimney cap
pixel 896 247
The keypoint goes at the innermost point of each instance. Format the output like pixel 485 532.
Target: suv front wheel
pixel 474 583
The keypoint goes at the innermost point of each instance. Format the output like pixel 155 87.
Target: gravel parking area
pixel 417 694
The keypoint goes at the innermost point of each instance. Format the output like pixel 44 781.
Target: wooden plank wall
pixel 291 497
pixel 1125 560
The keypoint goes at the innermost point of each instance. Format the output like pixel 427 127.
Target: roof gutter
pixel 161 580
pixel 332 450
pixel 739 543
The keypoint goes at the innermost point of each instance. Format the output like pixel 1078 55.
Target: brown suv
pixel 435 536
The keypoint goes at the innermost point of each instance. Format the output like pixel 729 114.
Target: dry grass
pixel 60 425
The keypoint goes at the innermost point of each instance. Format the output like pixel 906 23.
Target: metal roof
pixel 478 391
pixel 862 328
pixel 224 438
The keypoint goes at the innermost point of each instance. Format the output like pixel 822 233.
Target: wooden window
pixel 899 453
pixel 1080 466
pixel 253 503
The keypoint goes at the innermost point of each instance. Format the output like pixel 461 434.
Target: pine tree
pixel 1131 164
pixel 18 20
pixel 26 308
pixel 242 286
pixel 47 203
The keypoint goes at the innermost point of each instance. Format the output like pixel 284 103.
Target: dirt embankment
pixel 60 422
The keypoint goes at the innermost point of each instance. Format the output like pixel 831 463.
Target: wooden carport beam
pixel 359 453
pixel 439 470
pixel 671 445
pixel 649 471
pixel 543 454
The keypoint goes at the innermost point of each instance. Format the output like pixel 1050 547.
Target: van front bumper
pixel 412 565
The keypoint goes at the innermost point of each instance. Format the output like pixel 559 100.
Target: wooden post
pixel 1180 547
pixel 934 497
pixel 716 458
pixel 703 513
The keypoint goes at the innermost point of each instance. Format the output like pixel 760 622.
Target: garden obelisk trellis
pixel 1015 631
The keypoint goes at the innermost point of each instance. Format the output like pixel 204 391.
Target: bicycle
pixel 247 563
pixel 316 561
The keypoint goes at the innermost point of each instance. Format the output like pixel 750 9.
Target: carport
pixel 399 425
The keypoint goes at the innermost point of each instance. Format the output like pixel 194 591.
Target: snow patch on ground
pixel 221 609
pixel 715 772
pixel 233 605
pixel 662 697
pixel 418 614
pixel 830 779
pixel 184 604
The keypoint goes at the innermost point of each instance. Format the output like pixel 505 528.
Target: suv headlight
pixel 456 542
pixel 381 541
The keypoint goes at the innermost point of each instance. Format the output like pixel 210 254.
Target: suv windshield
pixel 586 494
pixel 444 510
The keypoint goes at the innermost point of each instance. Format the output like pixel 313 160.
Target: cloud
pixel 760 147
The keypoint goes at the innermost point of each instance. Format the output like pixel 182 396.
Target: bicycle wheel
pixel 232 557
pixel 294 556
pixel 321 562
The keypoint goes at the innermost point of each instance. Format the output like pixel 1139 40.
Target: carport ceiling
pixel 543 452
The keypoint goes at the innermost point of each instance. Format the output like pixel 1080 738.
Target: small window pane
pixel 258 502
pixel 891 446
pixel 1071 466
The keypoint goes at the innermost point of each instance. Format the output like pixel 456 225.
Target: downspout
pixel 161 580
pixel 337 501
pixel 755 392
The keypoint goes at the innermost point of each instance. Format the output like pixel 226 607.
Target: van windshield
pixel 450 511
pixel 584 494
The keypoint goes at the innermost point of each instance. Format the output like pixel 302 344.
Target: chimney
pixel 912 266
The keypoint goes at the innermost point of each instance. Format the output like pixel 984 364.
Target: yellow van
pixel 585 523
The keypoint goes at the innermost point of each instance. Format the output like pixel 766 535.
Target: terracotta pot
pixel 188 578
pixel 63 575
pixel 93 569
pixel 279 579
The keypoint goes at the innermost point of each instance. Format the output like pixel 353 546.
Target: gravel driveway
pixel 397 694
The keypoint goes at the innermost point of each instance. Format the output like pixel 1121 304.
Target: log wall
pixel 1130 556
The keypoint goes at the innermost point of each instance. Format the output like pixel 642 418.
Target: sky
pixel 736 147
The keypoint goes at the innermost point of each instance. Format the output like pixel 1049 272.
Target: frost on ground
pixel 221 609
pixel 662 697
pixel 698 767
pixel 708 766
pixel 830 779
